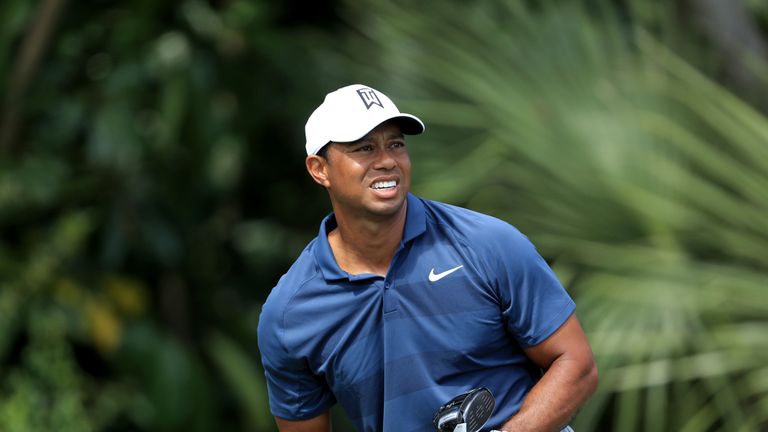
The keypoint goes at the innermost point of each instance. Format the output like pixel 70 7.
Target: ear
pixel 317 167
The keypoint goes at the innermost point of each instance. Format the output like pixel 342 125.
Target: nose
pixel 385 160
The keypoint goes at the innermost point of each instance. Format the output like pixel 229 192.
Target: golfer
pixel 401 303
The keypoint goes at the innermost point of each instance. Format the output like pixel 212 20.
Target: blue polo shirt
pixel 464 294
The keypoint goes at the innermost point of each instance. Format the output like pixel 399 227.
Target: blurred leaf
pixel 632 169
pixel 244 380
pixel 14 15
pixel 113 139
pixel 176 391
pixel 128 294
pixel 33 183
pixel 225 166
pixel 104 326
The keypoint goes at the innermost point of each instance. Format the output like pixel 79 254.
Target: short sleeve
pixel 295 392
pixel 534 302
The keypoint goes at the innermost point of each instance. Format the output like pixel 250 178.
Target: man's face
pixel 371 176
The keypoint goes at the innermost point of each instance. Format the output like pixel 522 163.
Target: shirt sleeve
pixel 534 302
pixel 295 392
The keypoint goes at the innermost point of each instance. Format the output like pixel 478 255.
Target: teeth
pixel 384 184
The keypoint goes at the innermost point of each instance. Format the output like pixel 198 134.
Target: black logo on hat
pixel 369 97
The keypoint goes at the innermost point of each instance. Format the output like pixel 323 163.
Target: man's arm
pixel 569 379
pixel 321 423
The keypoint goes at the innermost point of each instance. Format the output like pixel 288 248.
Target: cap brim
pixel 409 124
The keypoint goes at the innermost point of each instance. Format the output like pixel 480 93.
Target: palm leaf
pixel 644 180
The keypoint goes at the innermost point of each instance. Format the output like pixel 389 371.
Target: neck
pixel 364 245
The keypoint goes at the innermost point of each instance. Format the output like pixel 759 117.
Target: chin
pixel 387 209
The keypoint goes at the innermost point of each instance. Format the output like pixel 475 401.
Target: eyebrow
pixel 390 137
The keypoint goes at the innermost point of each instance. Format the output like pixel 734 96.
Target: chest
pixel 433 315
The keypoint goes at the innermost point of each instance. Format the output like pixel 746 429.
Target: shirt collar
pixel 415 219
pixel 415 225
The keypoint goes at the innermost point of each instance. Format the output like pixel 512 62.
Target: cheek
pixel 405 163
pixel 346 171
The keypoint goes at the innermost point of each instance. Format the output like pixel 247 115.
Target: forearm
pixel 321 423
pixel 554 400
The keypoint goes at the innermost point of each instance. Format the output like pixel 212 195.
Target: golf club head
pixel 468 411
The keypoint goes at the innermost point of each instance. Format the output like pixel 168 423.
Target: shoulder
pixel 304 269
pixel 284 294
pixel 474 228
pixel 495 246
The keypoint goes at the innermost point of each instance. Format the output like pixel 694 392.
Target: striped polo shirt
pixel 464 294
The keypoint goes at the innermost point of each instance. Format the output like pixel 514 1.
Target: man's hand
pixel 569 379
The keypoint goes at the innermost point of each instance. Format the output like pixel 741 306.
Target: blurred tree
pixel 639 176
pixel 145 153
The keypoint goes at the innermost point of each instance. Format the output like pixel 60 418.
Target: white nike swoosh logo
pixel 436 277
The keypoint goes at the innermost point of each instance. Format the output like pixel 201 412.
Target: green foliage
pixel 44 394
pixel 142 146
pixel 251 388
pixel 637 174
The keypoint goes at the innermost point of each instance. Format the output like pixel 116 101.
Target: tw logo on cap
pixel 369 97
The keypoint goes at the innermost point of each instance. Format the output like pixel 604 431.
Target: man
pixel 402 303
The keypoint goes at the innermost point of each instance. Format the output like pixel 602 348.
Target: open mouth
pixel 384 185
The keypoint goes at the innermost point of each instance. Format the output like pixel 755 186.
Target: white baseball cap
pixel 350 112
